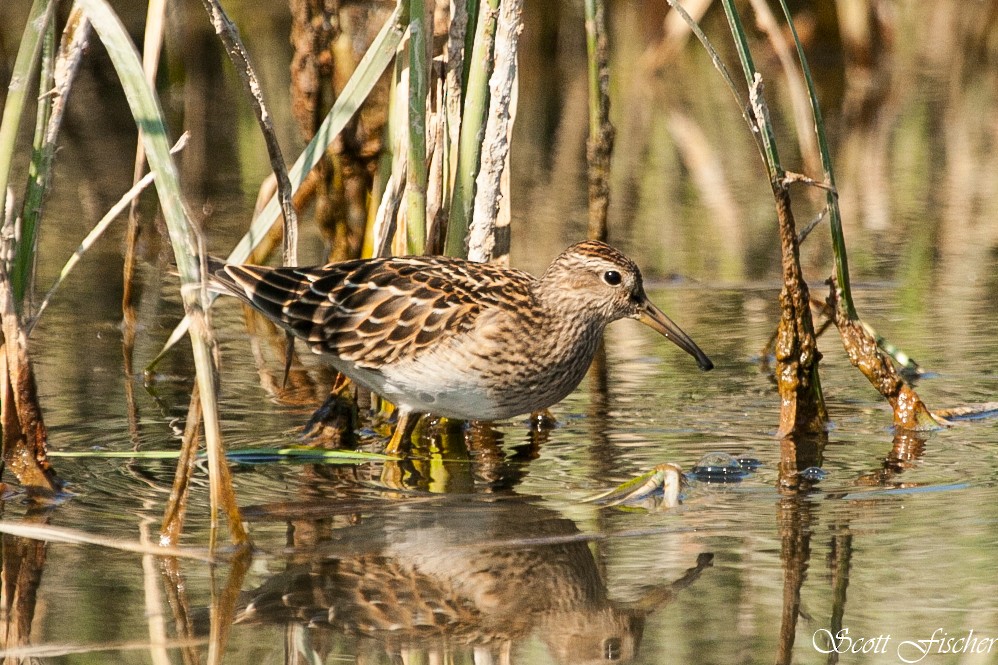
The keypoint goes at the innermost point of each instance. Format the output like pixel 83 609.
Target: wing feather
pixel 378 311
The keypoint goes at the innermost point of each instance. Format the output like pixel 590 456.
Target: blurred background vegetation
pixel 908 90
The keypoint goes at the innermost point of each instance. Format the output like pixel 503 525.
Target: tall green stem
pixel 772 156
pixel 416 175
pixel 834 215
pixel 476 105
pixel 28 56
pixel 471 8
pixel 23 268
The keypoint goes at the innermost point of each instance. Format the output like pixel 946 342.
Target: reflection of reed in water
pixel 459 578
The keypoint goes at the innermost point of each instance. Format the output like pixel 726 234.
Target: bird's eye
pixel 612 277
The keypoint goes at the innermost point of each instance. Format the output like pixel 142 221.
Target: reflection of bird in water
pixel 466 576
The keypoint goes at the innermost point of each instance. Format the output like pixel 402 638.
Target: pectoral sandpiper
pixel 446 336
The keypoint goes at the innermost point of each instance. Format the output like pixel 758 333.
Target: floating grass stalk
pixel 473 119
pixel 52 534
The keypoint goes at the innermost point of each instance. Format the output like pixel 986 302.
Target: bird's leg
pixel 401 441
pixel 334 421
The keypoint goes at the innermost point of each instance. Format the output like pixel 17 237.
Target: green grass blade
pixel 416 178
pixel 23 268
pixel 834 216
pixel 476 106
pixel 28 55
pixel 148 115
pixel 715 58
pixel 51 111
pixel 763 124
pixel 245 455
pixel 471 8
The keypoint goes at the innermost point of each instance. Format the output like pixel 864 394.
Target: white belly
pixel 429 387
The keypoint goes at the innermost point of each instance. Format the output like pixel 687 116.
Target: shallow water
pixel 500 553
pixel 489 553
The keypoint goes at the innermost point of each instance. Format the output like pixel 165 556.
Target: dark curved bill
pixel 656 319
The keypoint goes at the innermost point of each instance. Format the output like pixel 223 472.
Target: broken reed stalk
pixel 860 342
pixel 599 146
pixel 25 436
pixel 152 44
pixel 488 234
pixel 802 405
pixel 176 506
pixel 229 34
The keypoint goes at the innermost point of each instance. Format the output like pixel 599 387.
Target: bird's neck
pixel 572 331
